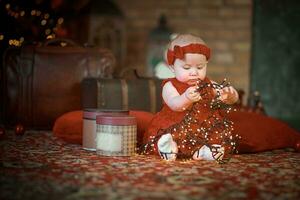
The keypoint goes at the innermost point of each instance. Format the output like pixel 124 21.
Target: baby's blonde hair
pixel 183 40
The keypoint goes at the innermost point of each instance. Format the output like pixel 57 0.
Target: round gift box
pixel 116 135
pixel 89 125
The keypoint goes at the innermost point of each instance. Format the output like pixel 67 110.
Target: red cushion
pixel 69 126
pixel 261 133
pixel 143 119
pixel 258 132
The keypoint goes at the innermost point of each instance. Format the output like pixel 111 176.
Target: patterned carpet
pixel 40 166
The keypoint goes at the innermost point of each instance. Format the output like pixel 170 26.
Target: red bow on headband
pixel 179 52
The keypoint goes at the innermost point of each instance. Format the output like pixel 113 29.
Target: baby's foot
pixel 217 152
pixel 204 153
pixel 167 147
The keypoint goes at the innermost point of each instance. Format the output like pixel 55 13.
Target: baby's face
pixel 192 68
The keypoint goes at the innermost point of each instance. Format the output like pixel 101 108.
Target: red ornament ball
pixel 2 132
pixel 19 129
pixel 297 146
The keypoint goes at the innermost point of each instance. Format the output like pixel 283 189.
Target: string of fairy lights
pixel 43 20
pixel 193 131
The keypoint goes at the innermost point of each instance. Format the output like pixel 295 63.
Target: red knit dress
pixel 167 117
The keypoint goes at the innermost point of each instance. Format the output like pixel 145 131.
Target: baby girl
pixel 187 57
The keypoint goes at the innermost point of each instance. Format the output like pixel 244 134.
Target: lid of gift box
pixel 115 120
pixel 91 113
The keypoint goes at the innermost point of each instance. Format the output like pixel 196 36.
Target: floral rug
pixel 40 166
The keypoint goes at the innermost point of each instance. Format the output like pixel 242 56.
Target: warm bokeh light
pixel 45 26
pixel 33 12
pixel 14 42
pixel 22 13
pixel 52 36
pixel 60 20
pixel 46 16
pixel 47 31
pixel 43 22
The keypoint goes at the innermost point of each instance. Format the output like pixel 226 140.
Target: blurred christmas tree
pixel 29 21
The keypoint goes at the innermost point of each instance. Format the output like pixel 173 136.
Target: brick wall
pixel 225 25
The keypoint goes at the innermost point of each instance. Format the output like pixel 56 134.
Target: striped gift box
pixel 116 135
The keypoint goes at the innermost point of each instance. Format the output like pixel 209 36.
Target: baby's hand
pixel 229 95
pixel 192 94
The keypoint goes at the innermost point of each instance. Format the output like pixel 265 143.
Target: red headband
pixel 179 52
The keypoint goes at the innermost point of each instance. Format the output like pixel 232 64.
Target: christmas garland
pixel 191 134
